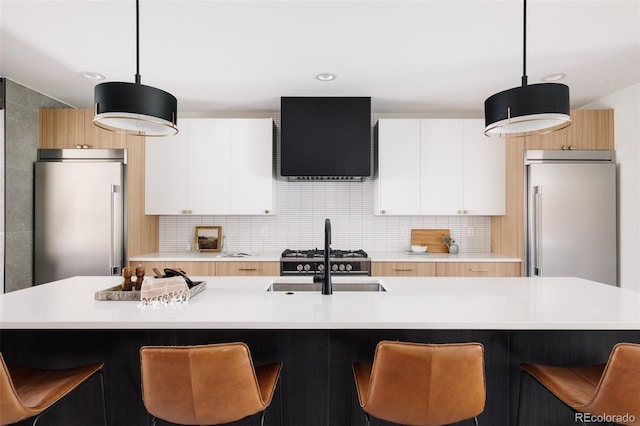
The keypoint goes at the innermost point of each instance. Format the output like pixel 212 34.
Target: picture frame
pixel 208 238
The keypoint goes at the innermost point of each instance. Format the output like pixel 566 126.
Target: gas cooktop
pixel 317 253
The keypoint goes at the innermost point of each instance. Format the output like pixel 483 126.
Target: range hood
pixel 325 138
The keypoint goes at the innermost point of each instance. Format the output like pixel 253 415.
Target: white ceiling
pixel 242 56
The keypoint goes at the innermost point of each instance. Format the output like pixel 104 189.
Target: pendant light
pixel 528 109
pixel 134 107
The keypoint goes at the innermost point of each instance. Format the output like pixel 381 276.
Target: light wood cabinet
pixel 403 269
pixel 589 129
pixel 68 128
pixel 247 268
pixel 64 128
pixel 438 167
pixel 212 167
pixel 190 268
pixel 478 269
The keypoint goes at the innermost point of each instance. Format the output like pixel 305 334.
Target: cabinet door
pixel 248 269
pixel 441 166
pixel 478 269
pixel 589 129
pixel 403 269
pixel 397 187
pixel 484 172
pixel 61 128
pixel 208 168
pixel 166 173
pixel 251 160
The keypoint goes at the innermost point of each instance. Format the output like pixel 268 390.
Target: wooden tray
pixel 431 238
pixel 116 293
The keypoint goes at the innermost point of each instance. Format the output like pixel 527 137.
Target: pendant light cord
pixel 138 78
pixel 524 45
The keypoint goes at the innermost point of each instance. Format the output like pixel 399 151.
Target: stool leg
pixel 104 401
pixel 366 416
pixel 262 418
pixel 522 373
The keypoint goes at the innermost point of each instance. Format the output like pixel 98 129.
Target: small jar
pixel 453 248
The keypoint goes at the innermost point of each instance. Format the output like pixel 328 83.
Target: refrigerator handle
pixel 537 220
pixel 114 269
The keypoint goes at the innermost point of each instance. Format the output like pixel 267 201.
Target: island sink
pixel 369 285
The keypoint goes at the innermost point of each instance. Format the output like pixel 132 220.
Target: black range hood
pixel 325 138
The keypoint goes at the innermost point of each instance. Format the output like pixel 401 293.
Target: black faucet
pixel 325 279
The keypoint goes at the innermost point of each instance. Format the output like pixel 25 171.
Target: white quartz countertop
pixel 411 303
pixel 275 257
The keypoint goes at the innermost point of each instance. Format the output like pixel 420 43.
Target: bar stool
pixel 27 392
pixel 205 384
pixel 611 389
pixel 421 384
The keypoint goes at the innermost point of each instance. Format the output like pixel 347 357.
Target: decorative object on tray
pixel 208 238
pixel 451 244
pixel 172 287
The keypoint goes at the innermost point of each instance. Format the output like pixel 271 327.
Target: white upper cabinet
pixel 397 188
pixel 484 171
pixel 251 165
pixel 212 167
pixel 438 167
pixel 165 173
pixel 442 168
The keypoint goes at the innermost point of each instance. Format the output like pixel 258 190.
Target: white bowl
pixel 419 249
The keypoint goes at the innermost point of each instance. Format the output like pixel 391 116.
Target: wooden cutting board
pixel 431 238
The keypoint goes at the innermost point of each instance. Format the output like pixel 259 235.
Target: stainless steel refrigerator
pixel 571 215
pixel 79 213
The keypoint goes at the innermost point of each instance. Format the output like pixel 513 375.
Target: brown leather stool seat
pixel 27 392
pixel 611 389
pixel 206 384
pixel 420 384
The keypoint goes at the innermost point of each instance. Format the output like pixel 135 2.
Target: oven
pixel 311 262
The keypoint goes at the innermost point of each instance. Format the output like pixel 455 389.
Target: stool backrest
pixel 11 408
pixel 200 385
pixel 427 384
pixel 618 392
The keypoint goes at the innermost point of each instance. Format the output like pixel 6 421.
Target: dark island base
pixel 316 386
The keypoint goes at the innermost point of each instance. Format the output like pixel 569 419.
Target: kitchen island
pixel 554 320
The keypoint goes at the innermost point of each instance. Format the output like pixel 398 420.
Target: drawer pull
pixel 403 270
pixel 479 269
pixel 247 269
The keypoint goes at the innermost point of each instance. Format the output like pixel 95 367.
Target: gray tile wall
pixel 20 151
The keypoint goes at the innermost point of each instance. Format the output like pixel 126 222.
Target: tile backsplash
pixel 302 207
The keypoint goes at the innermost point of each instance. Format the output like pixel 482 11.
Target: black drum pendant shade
pixel 528 109
pixel 134 107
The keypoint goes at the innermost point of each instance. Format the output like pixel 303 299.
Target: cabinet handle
pixel 383 211
pixel 247 269
pixel 479 269
pixel 403 270
pixel 266 211
pixel 186 212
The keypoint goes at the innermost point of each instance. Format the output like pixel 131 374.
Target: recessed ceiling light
pixel 554 77
pixel 92 75
pixel 326 76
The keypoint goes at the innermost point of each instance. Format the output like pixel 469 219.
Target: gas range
pixel 311 262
